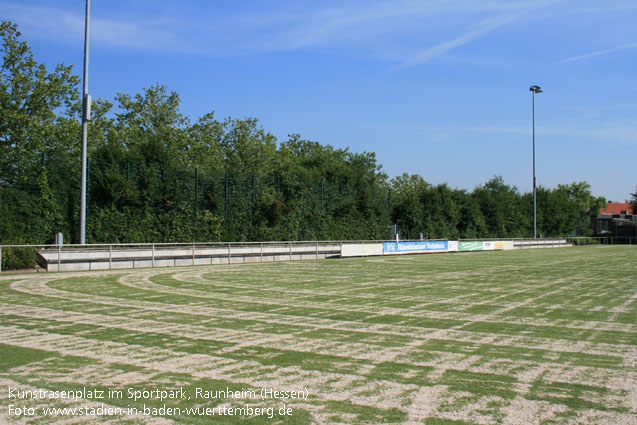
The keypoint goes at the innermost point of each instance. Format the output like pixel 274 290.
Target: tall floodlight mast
pixel 534 90
pixel 86 115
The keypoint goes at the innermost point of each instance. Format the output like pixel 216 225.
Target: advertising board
pixel 488 246
pixel 417 247
pixel 464 246
pixel 481 245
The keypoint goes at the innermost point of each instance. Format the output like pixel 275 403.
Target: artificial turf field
pixel 515 337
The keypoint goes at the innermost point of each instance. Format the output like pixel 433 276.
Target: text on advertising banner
pixel 390 248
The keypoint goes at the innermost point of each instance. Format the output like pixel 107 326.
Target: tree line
pixel 157 176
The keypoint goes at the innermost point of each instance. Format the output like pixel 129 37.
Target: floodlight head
pixel 536 89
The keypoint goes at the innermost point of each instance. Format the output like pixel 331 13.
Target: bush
pixel 585 241
pixel 18 258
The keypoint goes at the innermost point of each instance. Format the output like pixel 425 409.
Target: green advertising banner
pixel 470 246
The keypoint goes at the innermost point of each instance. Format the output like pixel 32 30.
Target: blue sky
pixel 435 87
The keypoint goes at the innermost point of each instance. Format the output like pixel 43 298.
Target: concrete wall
pixel 508 245
pixel 72 259
pixel 541 243
pixel 362 249
pixel 117 257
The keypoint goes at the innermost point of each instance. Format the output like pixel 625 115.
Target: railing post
pixel 0 258
pixel 152 260
pixel 110 256
pixel 317 250
pixel 59 255
pixel 229 256
pixel 290 248
pixel 193 253
pixel 262 252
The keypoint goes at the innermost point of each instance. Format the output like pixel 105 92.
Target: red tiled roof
pixel 618 208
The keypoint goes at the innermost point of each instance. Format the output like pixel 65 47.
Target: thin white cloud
pixel 620 132
pixel 57 24
pixel 68 27
pixel 478 30
pixel 380 19
pixel 390 30
pixel 602 52
pixel 441 48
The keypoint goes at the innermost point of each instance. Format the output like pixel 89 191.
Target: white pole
pixel 534 193
pixel 534 90
pixel 85 117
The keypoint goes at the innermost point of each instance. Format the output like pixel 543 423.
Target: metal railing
pixel 156 254
pixel 602 240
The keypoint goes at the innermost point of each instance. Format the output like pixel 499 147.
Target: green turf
pixel 547 335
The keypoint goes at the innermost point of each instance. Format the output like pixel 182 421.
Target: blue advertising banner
pixel 390 248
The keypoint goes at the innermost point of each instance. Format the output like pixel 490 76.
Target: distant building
pixel 617 213
pixel 618 208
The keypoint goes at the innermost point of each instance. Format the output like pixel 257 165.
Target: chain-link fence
pixel 141 202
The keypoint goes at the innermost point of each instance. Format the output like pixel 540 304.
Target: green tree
pixel 151 127
pixel 247 147
pixel 407 209
pixel 37 136
pixel 205 137
pixel 501 207
pixel 560 216
pixel 585 204
pixel 471 222
pixel 33 102
pixel 442 213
